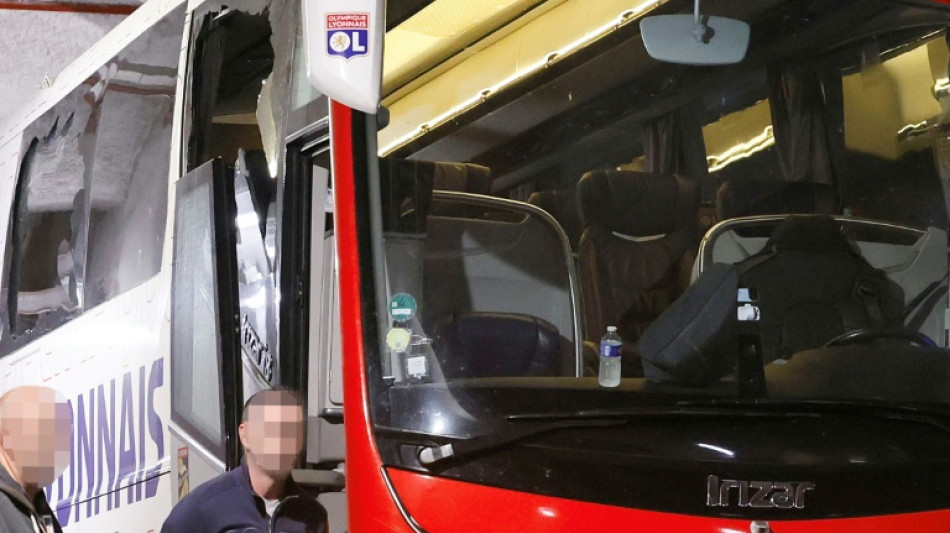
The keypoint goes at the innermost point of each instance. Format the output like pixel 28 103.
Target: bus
pixel 242 206
pixel 157 253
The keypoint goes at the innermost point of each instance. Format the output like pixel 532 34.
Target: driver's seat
pixel 811 285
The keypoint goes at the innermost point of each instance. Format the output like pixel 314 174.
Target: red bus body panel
pixel 441 505
pixel 370 507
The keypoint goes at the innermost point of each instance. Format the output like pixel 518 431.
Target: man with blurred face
pixel 258 496
pixel 35 429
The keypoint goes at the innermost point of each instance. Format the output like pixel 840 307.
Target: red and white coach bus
pixel 431 213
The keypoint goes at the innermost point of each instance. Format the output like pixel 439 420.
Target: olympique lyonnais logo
pixel 347 34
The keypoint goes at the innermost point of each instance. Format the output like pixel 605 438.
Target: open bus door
pixel 275 323
pixel 206 378
pixel 228 307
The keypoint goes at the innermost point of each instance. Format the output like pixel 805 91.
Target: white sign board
pixel 344 46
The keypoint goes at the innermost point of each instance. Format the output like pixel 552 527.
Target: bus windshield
pixel 769 232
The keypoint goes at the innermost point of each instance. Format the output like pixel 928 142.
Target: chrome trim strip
pixel 323 123
pixel 402 508
pixel 321 140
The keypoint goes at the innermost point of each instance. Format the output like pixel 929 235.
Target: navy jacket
pixel 228 504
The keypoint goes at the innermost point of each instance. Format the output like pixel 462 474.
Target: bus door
pixel 206 374
pixel 254 272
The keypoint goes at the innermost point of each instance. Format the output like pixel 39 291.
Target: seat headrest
pixel 814 233
pixel 742 197
pixel 408 184
pixel 562 205
pixel 638 204
pixel 555 200
pixel 461 177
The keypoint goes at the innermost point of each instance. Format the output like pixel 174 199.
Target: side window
pixel 129 191
pixel 893 103
pixel 742 140
pixel 740 151
pixel 46 250
pixel 87 221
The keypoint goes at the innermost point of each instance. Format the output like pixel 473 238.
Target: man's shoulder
pixel 200 506
pixel 216 487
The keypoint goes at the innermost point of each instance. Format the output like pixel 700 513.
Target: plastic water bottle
pixel 609 375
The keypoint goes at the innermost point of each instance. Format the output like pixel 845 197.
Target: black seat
pixel 461 177
pixel 412 184
pixel 637 248
pixel 809 286
pixel 562 205
pixel 812 286
pixel 745 197
pixel 498 345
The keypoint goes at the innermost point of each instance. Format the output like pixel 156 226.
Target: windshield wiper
pixel 745 408
pixel 544 422
pixel 437 454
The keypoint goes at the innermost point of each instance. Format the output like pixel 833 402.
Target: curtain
pixel 800 123
pixel 673 144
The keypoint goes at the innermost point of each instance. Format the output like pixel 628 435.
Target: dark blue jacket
pixel 228 504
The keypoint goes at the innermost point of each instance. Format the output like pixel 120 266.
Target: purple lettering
pixel 127 465
pixel 106 448
pixel 108 452
pixel 156 379
pixel 141 417
pixel 85 449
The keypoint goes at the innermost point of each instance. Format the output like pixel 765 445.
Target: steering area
pixel 864 336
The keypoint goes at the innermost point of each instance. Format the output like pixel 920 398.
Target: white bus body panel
pixel 112 362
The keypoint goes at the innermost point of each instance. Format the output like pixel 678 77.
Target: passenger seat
pixel 746 197
pixel 562 205
pixel 637 248
pixel 461 177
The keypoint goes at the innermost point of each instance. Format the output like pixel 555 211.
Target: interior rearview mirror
pixel 695 39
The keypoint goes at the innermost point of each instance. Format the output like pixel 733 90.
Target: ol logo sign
pixel 347 34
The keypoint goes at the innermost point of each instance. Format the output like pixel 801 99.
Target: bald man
pixel 259 496
pixel 35 426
